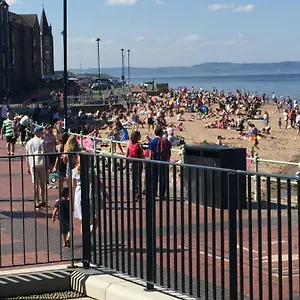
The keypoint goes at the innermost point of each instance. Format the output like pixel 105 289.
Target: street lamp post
pixel 128 56
pixel 123 68
pixel 99 64
pixel 66 75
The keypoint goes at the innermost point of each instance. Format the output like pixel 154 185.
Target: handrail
pixel 256 160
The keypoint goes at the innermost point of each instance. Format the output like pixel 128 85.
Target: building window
pixel 47 41
pixel 47 54
pixel 48 68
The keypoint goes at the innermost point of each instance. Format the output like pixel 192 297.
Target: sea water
pixel 285 85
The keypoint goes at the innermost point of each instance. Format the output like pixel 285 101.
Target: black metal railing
pixel 206 232
pixel 28 235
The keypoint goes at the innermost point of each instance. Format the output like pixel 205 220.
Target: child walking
pixel 62 210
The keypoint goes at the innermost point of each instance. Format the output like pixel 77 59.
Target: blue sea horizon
pixel 280 84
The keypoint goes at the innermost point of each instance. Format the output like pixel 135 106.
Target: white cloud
pixel 244 8
pixel 159 1
pixel 120 2
pixel 164 39
pixel 234 7
pixel 139 38
pixel 88 41
pixel 190 39
pixel 234 40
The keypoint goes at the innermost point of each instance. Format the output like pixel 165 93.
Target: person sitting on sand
pixel 180 117
pixel 219 140
pixel 180 127
pixel 266 130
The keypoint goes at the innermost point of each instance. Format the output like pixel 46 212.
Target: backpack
pixel 39 158
pixel 164 149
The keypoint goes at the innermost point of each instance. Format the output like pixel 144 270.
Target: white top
pixel 4 111
pixel 76 177
pixel 32 147
pixel 24 121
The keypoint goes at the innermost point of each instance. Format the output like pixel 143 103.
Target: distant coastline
pixel 205 69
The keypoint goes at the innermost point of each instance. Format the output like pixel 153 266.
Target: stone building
pixel 47 50
pixel 26 48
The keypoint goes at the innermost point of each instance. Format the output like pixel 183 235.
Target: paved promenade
pixel 30 237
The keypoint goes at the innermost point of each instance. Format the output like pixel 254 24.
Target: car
pixel 101 86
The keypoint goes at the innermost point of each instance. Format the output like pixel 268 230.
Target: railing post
pixel 111 146
pixel 232 215
pixel 256 161
pixel 81 139
pixel 150 230
pixel 95 146
pixel 85 210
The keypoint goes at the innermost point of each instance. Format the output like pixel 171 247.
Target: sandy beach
pixel 281 144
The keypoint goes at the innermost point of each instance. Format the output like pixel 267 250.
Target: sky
pixel 172 32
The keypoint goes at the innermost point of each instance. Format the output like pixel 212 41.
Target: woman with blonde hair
pixel 70 160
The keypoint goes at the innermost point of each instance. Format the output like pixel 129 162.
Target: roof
pixel 3 2
pixel 28 20
pixel 44 22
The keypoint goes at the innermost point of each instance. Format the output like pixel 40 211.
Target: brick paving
pixel 29 237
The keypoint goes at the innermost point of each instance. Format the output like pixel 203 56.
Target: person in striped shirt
pixel 8 131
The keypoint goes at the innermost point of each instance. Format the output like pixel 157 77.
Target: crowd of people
pixel 53 154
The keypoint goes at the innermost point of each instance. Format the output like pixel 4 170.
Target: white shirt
pixel 4 111
pixel 24 121
pixel 285 116
pixel 298 119
pixel 32 147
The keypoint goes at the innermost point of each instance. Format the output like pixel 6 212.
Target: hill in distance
pixel 205 69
